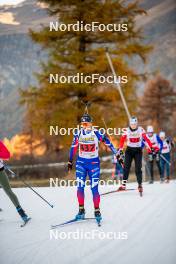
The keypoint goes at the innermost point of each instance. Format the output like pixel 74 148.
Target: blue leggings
pixel 92 169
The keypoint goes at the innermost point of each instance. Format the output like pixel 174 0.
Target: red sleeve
pixel 122 141
pixel 4 153
pixel 147 140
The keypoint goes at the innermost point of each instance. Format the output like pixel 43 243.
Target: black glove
pixel 70 165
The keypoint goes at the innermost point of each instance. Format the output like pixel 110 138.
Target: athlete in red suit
pixel 133 136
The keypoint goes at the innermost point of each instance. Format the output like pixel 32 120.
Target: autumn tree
pixel 72 52
pixel 157 105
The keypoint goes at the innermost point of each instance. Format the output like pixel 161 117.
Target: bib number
pixel 87 147
pixel 134 140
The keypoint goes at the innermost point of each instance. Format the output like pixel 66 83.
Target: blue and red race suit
pixel 88 162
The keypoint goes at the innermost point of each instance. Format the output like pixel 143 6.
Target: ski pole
pixel 120 158
pixel 106 128
pixel 117 84
pixel 27 185
pixel 165 159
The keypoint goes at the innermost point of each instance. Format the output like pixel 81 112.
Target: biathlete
pixel 166 156
pixel 4 182
pixel 157 144
pixel 134 136
pixel 86 141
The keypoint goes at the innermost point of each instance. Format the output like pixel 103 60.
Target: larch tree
pixel 71 52
pixel 157 105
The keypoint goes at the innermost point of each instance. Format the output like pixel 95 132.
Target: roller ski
pixel 72 221
pixel 140 189
pixel 114 191
pixel 80 217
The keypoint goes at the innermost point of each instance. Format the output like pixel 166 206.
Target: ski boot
pixel 81 213
pixel 140 189
pixel 22 213
pixel 167 179
pixel 0 210
pixel 98 216
pixel 151 181
pixel 161 180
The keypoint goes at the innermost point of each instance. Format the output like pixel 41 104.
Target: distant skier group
pixel 86 142
pixel 162 155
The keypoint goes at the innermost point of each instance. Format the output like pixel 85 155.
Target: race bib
pixel 87 147
pixel 134 140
